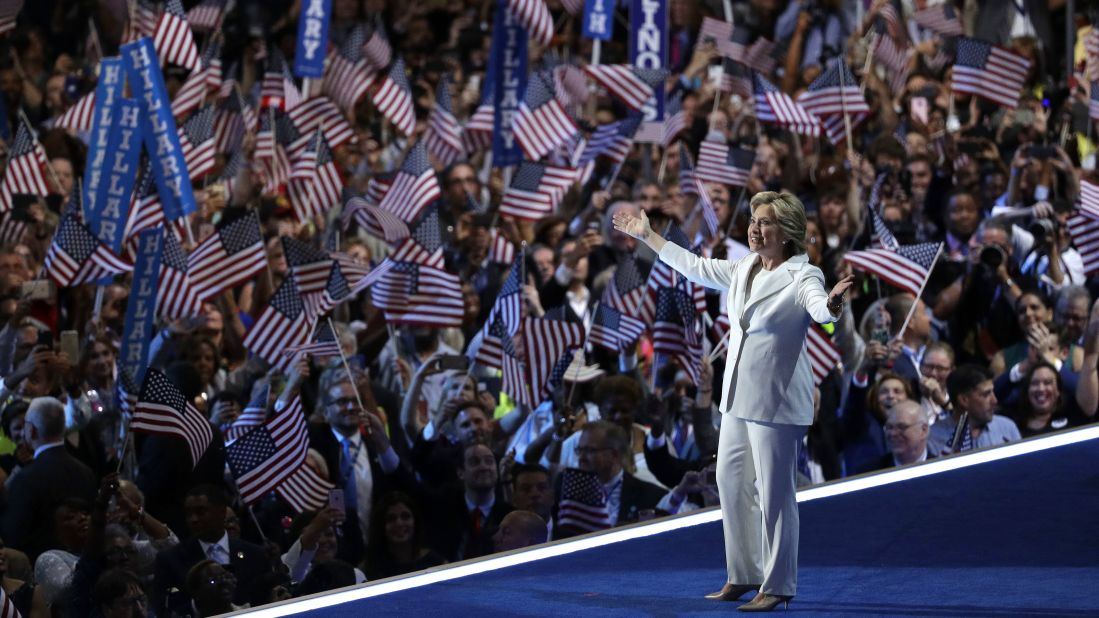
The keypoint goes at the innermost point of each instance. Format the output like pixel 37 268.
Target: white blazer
pixel 768 373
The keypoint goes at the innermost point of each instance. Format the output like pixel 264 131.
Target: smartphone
pixel 70 345
pixel 1041 152
pixel 45 338
pixel 453 362
pixel 39 289
pixel 335 499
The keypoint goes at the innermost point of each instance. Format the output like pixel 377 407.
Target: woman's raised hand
pixel 637 227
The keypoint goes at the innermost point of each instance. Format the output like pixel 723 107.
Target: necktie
pixel 347 470
pixel 478 520
pixel 217 554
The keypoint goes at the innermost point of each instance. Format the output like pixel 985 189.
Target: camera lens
pixel 1041 229
pixel 992 256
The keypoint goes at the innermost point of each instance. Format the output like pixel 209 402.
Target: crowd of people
pixel 432 460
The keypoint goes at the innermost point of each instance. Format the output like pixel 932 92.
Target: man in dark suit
pixel 602 448
pixel 906 432
pixel 204 509
pixel 38 489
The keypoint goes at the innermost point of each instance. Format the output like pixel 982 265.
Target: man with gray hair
pixel 53 477
pixel 906 432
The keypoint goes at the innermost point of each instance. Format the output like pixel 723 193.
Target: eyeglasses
pixel 939 368
pixel 343 402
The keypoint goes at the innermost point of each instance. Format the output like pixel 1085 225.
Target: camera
pixel 992 256
pixel 1042 230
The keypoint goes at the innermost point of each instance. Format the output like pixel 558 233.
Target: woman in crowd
pixel 397 539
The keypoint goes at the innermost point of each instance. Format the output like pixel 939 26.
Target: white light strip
pixel 444 573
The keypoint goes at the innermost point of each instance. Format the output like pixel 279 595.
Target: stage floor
pixel 1009 537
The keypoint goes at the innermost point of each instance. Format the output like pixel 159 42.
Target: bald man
pixel 519 529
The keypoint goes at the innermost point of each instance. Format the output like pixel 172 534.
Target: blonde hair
pixel 790 216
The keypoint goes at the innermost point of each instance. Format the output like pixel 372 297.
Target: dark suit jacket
pixel 165 473
pixel 637 495
pixel 994 18
pixel 246 560
pixel 36 491
pixel 451 532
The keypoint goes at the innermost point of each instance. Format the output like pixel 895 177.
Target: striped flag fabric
pixel 305 490
pixel 1091 55
pixel 253 414
pixel 941 19
pixel 834 92
pixel 281 325
pixel 626 288
pixel 229 257
pixel 444 135
pixel 321 112
pixel 676 330
pixel 823 353
pixel 263 458
pixel 582 505
pixel 9 12
pixel 173 40
pixel 163 410
pixel 206 16
pixel 687 184
pixel 500 249
pixel 894 58
pixel 196 139
pixel 614 330
pixel 662 276
pixel 721 163
pixel 1089 198
pixel 548 346
pixel 234 118
pixel 323 343
pixel 7 606
pixel 311 269
pixel 142 22
pixel 632 86
pixel 989 71
pixel 535 17
pixel 906 268
pixel 569 85
pixel 477 133
pixel 425 242
pixel 889 20
pixel 377 221
pixel 1084 229
pixel 394 98
pixel 776 107
pixel 1093 101
pixel 414 186
pixel 376 48
pixel 175 296
pixel 26 168
pixel 736 79
pixel 200 83
pixel 145 208
pixel 413 293
pixel 79 116
pixel 349 75
pixel 315 183
pixel 503 320
pixel 535 190
pixel 13 223
pixel 709 215
pixel 278 89
pixel 611 140
pixel 675 119
pixel 541 124
pixel 76 256
pixel 720 31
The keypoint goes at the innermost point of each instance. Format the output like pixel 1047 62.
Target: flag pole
pixel 93 34
pixel 663 166
pixel 350 376
pixel 912 309
pixel 870 48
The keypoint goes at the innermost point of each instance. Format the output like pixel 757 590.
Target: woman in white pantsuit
pixel 767 389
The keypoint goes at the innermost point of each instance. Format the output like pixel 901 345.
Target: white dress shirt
pixel 220 556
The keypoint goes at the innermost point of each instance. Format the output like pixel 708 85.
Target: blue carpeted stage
pixel 1001 536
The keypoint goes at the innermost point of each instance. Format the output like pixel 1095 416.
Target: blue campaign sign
pixel 108 92
pixel 649 45
pixel 508 77
pixel 159 129
pixel 137 333
pixel 113 193
pixel 598 19
pixel 312 38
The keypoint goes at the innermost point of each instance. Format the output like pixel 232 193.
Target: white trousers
pixel 761 527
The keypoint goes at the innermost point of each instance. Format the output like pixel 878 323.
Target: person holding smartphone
pixel 767 389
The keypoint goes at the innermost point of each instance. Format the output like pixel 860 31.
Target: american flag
pixel 196 139
pixel 776 107
pixel 175 296
pixel 414 187
pixel 305 490
pixel 548 345
pixel 941 19
pixel 324 342
pixel 143 22
pixel 76 256
pixel 413 293
pixel 1089 198
pixel 720 31
pixel 378 185
pixel 569 85
pixel 1091 55
pixel 1093 101
pixel 281 325
pixel 145 208
pixel 206 16
pixel 613 329
pixel 908 268
pixel 26 169
pixel 477 134
pixel 376 49
pixel 823 354
pixel 989 71
pixel 889 20
pixel 349 75
pixel 709 215
pixel 676 330
pixel 79 116
pixel 500 249
pixel 675 119
pixel 835 127
pixel 311 269
pixel 9 11
pixel 377 221
pixel 611 140
pixel 234 118
pixel 394 98
pixel 662 276
pixel 270 154
pixel 425 242
pixel 541 124
pixel 631 85
pixel 583 502
pixel 315 183
pixel 894 58
pixel 535 17
pixel 719 162
pixel 200 82
pixel 1084 229
pixel 626 288
pixel 13 223
pixel 162 410
pixel 253 414
pixel 503 321
pixel 444 134
pixel 173 40
pixel 536 190
pixel 320 112
pixel 263 458
pixel 736 79
pixel 229 257
pixel 230 174
pixel 834 92
pixel 687 184
pixel 278 89
pixel 879 233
